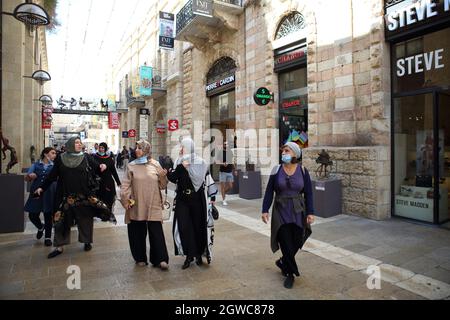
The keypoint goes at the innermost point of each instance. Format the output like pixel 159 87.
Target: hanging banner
pixel 145 83
pixel 166 27
pixel 46 121
pixel 112 103
pixel 135 84
pixel 143 123
pixel 113 120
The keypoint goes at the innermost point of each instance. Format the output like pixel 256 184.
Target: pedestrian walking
pixel 107 192
pixel 77 201
pixel 193 225
pixel 141 197
pixel 292 211
pixel 37 173
pixel 125 156
pixel 226 177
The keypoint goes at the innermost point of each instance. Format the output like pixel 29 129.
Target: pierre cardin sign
pixel 413 15
pixel 219 84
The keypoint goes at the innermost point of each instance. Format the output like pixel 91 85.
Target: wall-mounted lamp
pixel 31 14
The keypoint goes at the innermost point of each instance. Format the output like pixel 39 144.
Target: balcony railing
pixel 186 15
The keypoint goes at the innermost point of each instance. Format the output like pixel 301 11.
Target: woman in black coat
pixel 107 192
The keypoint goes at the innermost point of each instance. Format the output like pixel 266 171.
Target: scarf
pixel 70 158
pixel 197 166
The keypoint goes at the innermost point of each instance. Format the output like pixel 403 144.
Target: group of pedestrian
pixel 71 195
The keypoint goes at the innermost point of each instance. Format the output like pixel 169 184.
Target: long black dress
pixel 107 192
pixel 190 214
pixel 73 182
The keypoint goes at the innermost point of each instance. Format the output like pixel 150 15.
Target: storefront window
pixel 223 107
pixel 294 107
pixel 421 111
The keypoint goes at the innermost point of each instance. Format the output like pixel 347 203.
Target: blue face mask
pixel 141 160
pixel 101 154
pixel 286 158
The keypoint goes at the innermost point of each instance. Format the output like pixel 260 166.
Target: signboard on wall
pixel 143 123
pixel 124 134
pixel 286 59
pixel 224 83
pixel 131 133
pixel 173 124
pixel 166 30
pixel 408 16
pixel 203 7
pixel 46 121
pixel 262 96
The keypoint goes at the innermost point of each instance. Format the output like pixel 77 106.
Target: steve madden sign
pixel 409 15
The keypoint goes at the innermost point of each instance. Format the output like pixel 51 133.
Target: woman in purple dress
pixel 292 211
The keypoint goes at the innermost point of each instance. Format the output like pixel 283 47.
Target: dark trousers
pixel 192 226
pixel 137 236
pixel 36 220
pixel 289 237
pixel 84 217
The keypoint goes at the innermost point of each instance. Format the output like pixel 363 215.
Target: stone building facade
pixel 24 51
pixel 332 53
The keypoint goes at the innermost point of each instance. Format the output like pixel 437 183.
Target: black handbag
pixel 214 212
pixel 93 178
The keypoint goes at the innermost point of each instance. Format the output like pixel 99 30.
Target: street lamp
pixel 31 14
pixel 40 76
pixel 45 99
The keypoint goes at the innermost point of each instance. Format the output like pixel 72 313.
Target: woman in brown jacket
pixel 140 196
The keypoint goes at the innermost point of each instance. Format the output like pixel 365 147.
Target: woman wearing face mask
pixel 107 192
pixel 37 173
pixel 76 201
pixel 140 195
pixel 292 212
pixel 193 226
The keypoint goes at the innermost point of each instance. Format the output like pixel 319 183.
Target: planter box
pixel 12 196
pixel 250 185
pixel 327 196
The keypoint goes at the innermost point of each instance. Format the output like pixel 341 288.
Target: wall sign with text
pixel 225 82
pixel 166 30
pixel 262 96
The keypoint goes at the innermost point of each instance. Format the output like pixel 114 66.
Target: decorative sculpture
pixel 324 161
pixel 13 155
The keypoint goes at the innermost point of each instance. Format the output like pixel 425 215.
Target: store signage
pixel 420 63
pixel 160 128
pixel 166 27
pixel 143 123
pixel 173 125
pixel 203 8
pixel 124 134
pixel 131 133
pixel 295 102
pixel 410 14
pixel 290 57
pixel 262 96
pixel 113 120
pixel 145 83
pixel 220 83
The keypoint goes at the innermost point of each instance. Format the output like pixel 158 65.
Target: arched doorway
pixel 220 90
pixel 290 64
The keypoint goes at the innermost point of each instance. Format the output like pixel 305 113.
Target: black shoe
pixel 199 260
pixel 54 253
pixel 87 247
pixel 289 282
pixel 48 243
pixel 187 263
pixel 279 264
pixel 39 234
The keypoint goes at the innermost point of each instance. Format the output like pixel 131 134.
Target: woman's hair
pixel 45 151
pixel 294 160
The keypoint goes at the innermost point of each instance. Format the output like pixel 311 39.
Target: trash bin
pixel 12 196
pixel 250 185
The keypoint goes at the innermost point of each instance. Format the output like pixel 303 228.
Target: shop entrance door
pixel 420 153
